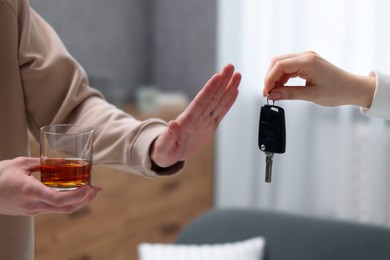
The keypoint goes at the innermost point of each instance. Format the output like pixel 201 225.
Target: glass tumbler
pixel 66 156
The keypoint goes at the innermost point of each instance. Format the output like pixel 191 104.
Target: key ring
pixel 273 101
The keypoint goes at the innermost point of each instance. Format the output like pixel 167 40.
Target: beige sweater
pixel 40 84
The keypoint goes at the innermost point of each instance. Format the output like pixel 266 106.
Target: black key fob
pixel 272 129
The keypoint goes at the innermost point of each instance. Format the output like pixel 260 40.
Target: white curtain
pixel 337 161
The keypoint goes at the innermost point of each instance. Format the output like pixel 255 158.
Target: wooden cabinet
pixel 130 210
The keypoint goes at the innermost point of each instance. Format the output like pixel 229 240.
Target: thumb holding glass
pixel 66 156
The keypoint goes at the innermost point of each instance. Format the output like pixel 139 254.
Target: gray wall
pixel 124 44
pixel 184 43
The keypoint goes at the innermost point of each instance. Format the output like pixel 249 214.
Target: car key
pixel 272 135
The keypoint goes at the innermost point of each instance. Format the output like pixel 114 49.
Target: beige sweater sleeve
pixel 56 91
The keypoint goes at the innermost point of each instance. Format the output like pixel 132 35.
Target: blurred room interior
pixel 150 58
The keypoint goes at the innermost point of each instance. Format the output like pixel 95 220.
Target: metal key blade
pixel 268 166
pixel 272 135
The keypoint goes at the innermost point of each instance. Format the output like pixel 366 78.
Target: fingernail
pixel 275 96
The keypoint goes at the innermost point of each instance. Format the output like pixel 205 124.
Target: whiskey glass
pixel 66 156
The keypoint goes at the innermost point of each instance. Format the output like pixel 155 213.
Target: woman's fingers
pixel 289 66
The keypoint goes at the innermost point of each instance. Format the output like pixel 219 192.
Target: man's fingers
pixel 227 74
pixel 169 145
pixel 227 108
pixel 202 99
pixel 228 99
pixel 32 207
pixel 168 138
pixel 229 79
pixel 88 197
pixel 60 198
pixel 216 94
pixel 40 207
pixel 28 163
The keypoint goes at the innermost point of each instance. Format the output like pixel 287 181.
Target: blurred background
pixel 336 163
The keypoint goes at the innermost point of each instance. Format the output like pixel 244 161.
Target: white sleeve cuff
pixel 380 106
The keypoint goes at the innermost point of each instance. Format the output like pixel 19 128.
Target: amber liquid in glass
pixel 66 174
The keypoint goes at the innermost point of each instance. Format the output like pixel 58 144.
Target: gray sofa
pixel 290 236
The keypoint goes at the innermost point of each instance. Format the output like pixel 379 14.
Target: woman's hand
pixel 23 195
pixel 326 84
pixel 193 128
